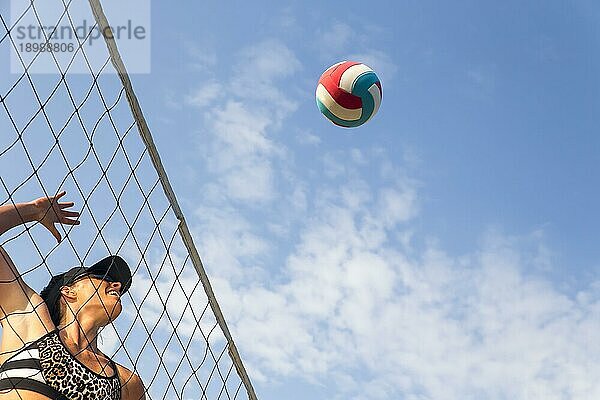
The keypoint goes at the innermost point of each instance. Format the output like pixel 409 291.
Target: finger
pixel 68 221
pixel 58 196
pixel 66 205
pixel 54 232
pixel 70 213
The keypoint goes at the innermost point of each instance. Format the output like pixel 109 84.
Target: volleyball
pixel 349 94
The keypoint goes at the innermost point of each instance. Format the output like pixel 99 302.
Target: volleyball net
pixel 85 133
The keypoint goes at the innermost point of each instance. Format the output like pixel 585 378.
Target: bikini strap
pixel 114 367
pixel 33 385
pixel 36 341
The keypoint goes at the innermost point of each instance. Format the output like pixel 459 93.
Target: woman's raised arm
pixel 15 295
pixel 48 210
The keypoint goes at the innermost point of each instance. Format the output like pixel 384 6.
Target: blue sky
pixel 446 249
pixel 495 102
pixel 488 123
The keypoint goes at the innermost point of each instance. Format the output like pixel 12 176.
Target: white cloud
pixel 352 302
pixel 356 309
pixel 336 39
pixel 243 115
pixel 229 243
pixel 204 95
pixel 383 65
pixel 240 152
pixel 260 68
pixel 267 61
pixel 395 206
pixel 286 20
pixel 308 138
pixel 344 42
pixel 201 57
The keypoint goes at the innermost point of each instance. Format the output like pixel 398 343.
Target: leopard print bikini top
pixel 48 368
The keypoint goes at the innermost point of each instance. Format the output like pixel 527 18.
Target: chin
pixel 116 311
pixel 113 312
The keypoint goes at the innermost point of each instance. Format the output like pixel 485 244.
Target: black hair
pixel 53 304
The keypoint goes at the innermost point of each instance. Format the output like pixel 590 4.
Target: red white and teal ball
pixel 349 94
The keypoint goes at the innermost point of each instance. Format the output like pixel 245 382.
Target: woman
pixel 49 341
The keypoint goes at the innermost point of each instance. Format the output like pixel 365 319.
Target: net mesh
pixel 77 132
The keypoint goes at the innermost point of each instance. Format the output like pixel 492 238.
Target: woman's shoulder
pixel 24 327
pixel 132 386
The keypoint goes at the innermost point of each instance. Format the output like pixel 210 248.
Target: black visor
pixel 111 268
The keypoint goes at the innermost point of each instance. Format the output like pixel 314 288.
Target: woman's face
pixel 98 297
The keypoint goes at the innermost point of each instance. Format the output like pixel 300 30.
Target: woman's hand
pixel 50 212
